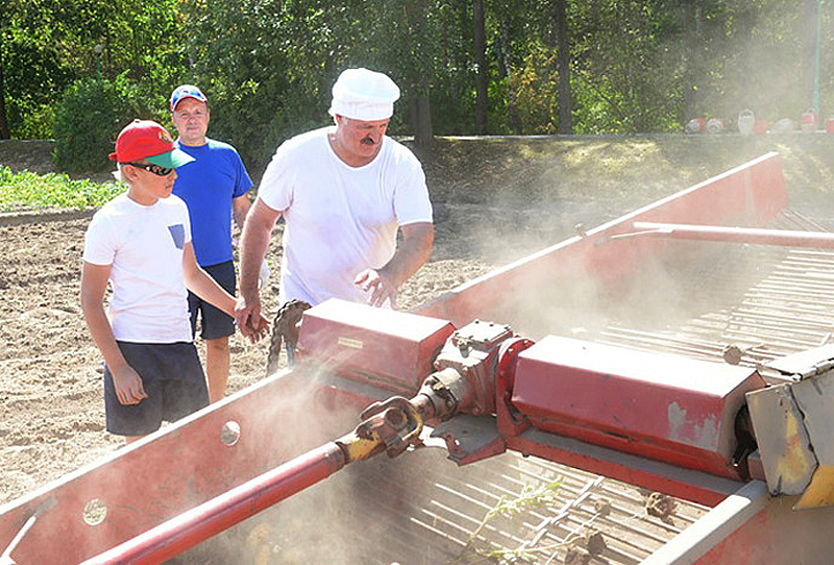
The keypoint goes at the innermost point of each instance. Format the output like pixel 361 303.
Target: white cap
pixel 364 95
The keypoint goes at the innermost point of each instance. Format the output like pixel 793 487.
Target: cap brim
pixel 181 98
pixel 171 159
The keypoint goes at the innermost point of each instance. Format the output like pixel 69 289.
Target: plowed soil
pixel 495 201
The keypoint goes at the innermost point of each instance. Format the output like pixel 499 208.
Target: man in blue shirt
pixel 215 191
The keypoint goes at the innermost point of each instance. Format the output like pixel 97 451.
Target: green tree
pixel 34 66
pixel 560 29
pixel 481 70
pixel 266 65
pixel 89 118
pixel 46 45
pixel 485 66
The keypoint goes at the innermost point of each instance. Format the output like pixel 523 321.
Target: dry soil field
pixel 495 200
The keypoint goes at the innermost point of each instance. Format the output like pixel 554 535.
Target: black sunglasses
pixel 155 169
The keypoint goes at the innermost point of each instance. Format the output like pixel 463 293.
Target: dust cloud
pixel 361 514
pixel 371 511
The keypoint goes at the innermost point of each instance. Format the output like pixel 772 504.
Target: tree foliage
pixel 110 105
pixel 479 66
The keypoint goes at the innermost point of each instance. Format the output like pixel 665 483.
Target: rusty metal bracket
pixel 470 438
pixel 793 423
pixel 510 420
pixel 405 421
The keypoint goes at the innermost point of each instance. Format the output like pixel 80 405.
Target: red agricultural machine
pixel 657 390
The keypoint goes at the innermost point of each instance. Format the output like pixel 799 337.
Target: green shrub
pixel 37 124
pixel 88 120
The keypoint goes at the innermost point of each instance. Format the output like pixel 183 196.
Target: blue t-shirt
pixel 208 186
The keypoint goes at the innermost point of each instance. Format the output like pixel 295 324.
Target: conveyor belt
pixel 767 301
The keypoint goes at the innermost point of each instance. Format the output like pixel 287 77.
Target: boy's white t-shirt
pixel 340 220
pixel 144 246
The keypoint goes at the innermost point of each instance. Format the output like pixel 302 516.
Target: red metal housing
pixel 670 408
pixel 373 345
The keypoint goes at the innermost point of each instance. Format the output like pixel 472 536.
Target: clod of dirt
pixel 732 354
pixel 577 556
pixel 259 544
pixel 661 506
pixel 582 550
pixel 602 507
pixel 595 543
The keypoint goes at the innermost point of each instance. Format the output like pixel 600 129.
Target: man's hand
pixel 379 285
pixel 262 329
pixel 250 321
pixel 382 283
pixel 128 384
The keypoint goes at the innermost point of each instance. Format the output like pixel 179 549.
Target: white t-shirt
pixel 340 220
pixel 144 246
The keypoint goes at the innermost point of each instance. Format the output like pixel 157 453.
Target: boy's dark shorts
pixel 214 322
pixel 174 382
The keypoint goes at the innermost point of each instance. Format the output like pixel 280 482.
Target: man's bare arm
pixel 201 284
pixel 414 251
pixel 253 245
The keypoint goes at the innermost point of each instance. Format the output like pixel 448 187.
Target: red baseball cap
pixel 149 141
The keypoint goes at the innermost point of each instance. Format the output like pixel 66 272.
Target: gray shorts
pixel 173 380
pixel 214 322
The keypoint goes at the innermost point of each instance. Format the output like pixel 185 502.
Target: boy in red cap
pixel 141 243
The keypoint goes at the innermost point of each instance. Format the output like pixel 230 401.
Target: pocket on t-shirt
pixel 178 235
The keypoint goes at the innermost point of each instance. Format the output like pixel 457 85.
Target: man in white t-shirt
pixel 140 242
pixel 344 192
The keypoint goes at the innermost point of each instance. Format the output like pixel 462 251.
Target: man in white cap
pixel 344 192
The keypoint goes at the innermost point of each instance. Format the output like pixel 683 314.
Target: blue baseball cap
pixel 186 91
